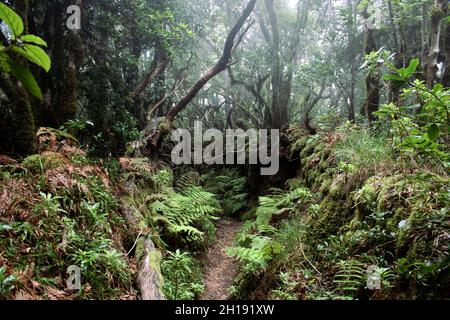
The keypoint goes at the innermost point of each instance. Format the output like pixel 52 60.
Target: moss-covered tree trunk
pixel 22 129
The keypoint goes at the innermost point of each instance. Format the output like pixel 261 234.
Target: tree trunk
pixel 438 12
pixel 373 79
pixel 446 76
pixel 68 103
pixel 351 31
pixel 23 128
pixel 277 75
pixel 399 44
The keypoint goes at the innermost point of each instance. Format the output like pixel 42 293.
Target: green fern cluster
pixel 277 203
pixel 187 214
pixel 256 240
pixel 261 251
pixel 187 179
pixel 230 186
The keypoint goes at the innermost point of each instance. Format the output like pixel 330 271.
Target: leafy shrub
pixel 182 276
pixel 420 129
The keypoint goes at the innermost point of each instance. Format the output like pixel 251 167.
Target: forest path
pixel 220 269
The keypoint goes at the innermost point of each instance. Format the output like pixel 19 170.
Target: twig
pixel 135 243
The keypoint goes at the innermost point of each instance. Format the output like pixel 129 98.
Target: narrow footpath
pixel 220 269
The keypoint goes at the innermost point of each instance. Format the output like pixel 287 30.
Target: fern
pixel 161 180
pixel 256 243
pixel 187 180
pixel 351 276
pixel 261 251
pixel 186 213
pixel 230 187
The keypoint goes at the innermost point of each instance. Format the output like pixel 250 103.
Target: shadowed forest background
pixel 359 90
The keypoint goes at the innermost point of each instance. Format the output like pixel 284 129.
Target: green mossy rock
pixel 38 163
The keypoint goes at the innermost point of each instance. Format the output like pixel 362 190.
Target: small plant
pixel 182 275
pixel 6 283
pixel 50 204
pixel 350 277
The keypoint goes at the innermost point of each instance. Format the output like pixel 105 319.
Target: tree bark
pixel 438 12
pixel 150 280
pixel 373 79
pixel 446 76
pixel 400 52
pixel 277 76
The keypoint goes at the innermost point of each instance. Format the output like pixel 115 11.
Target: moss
pixel 23 119
pixel 326 183
pixel 295 183
pixel 154 259
pixel 356 222
pixel 333 215
pixel 47 160
pixel 307 150
pixel 68 105
pixel 319 148
pixel 298 146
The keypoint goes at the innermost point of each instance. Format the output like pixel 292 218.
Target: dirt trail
pixel 220 269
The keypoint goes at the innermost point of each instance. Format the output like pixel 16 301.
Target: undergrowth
pixel 355 224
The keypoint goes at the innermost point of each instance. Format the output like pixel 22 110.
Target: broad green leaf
pixel 12 19
pixel 413 64
pixel 26 77
pixel 5 227
pixel 438 87
pixel 393 77
pixel 34 39
pixel 433 132
pixel 35 54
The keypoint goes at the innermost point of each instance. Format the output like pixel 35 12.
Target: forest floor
pixel 220 269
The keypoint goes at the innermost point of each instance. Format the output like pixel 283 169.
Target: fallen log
pixel 150 280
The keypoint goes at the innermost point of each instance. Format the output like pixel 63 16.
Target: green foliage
pixel 21 46
pixel 6 283
pixel 403 74
pixel 230 187
pixel 420 129
pixel 260 251
pixel 182 276
pixel 12 19
pixel 187 215
pixel 63 226
pixel 362 149
pixel 350 277
pixel 257 240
